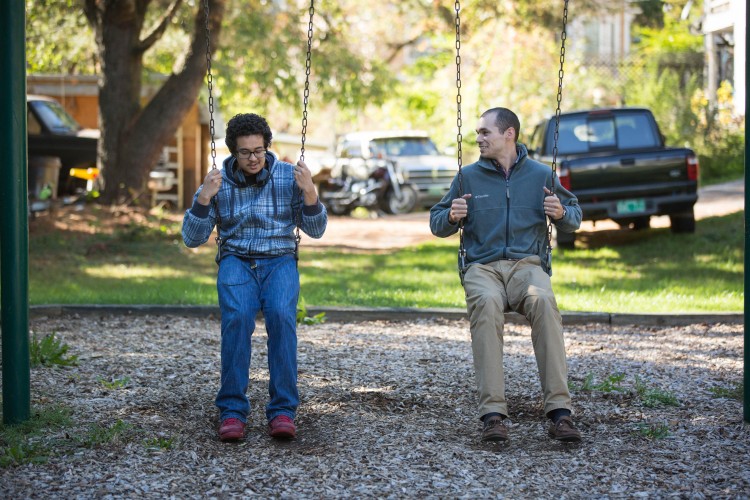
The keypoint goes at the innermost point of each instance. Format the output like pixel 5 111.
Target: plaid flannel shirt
pixel 256 221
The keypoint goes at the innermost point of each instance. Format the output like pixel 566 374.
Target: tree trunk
pixel 132 136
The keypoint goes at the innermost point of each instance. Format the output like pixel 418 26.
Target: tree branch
pixel 159 29
pixel 395 48
pixel 180 91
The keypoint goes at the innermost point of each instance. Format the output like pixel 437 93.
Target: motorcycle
pixel 381 188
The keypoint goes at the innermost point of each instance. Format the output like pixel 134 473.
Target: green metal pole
pixel 746 399
pixel 14 234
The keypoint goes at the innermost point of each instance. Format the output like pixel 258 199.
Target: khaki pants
pixel 521 286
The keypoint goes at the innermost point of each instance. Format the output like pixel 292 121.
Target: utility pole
pixel 14 234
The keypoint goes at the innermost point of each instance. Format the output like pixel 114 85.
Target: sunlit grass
pixel 132 272
pixel 643 272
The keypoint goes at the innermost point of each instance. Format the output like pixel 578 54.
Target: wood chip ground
pixel 389 410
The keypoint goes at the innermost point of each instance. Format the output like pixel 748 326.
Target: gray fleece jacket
pixel 506 216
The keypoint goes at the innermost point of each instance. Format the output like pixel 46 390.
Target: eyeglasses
pixel 244 154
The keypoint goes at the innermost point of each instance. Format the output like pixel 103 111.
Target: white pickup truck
pixel 413 152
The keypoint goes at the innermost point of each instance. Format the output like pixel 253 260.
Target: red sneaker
pixel 231 429
pixel 282 427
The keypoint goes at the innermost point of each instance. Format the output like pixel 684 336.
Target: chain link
pixel 459 137
pixel 308 64
pixel 561 73
pixel 459 140
pixel 210 80
pixel 305 100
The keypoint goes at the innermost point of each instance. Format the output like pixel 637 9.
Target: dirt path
pixel 398 231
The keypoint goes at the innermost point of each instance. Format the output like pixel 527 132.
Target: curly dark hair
pixel 247 124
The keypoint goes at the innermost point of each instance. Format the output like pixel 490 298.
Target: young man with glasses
pixel 256 201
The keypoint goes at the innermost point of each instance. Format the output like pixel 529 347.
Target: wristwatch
pixel 565 212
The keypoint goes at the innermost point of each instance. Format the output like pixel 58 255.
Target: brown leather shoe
pixel 565 430
pixel 494 429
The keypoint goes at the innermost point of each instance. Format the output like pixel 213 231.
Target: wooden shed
pixel 184 161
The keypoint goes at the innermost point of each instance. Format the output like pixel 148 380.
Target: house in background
pixel 604 39
pixel 724 27
pixel 602 43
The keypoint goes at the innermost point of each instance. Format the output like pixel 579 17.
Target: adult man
pixel 256 200
pixel 507 199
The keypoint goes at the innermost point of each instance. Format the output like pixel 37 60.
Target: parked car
pixel 615 161
pixel 55 138
pixel 415 155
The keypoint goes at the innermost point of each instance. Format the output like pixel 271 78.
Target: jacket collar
pixel 521 150
pixel 236 176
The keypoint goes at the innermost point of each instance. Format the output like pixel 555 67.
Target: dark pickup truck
pixel 615 161
pixel 57 144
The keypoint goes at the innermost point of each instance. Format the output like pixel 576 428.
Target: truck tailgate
pixel 635 171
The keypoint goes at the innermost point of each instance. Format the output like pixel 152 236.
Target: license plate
pixel 631 206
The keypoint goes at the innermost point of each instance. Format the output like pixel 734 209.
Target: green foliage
pixel 115 383
pixel 159 443
pixel 736 392
pixel 650 397
pixel 651 14
pixel 673 38
pixel 654 397
pixel 51 432
pixel 49 351
pixel 263 67
pixel 58 38
pixel 719 137
pixel 99 435
pixel 303 318
pixel 23 443
pixel 654 431
pixel 610 384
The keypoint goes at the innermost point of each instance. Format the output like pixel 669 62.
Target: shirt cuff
pixel 199 210
pixel 311 210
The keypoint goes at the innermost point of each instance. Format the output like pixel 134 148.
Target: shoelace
pixel 495 422
pixel 564 423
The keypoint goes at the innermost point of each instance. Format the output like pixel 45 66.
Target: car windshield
pixel 56 118
pixel 403 146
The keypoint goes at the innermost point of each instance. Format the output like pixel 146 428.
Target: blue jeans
pixel 245 287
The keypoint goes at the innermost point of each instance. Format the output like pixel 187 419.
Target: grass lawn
pixel 143 261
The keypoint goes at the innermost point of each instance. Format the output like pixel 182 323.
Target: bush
pixel 720 137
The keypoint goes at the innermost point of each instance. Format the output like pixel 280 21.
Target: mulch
pixel 388 410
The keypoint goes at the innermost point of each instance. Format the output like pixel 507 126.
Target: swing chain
pixel 212 125
pixel 561 73
pixel 305 100
pixel 459 140
pixel 209 79
pixel 308 63
pixel 459 137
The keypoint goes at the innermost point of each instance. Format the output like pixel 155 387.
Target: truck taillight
pixel 564 175
pixel 692 167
